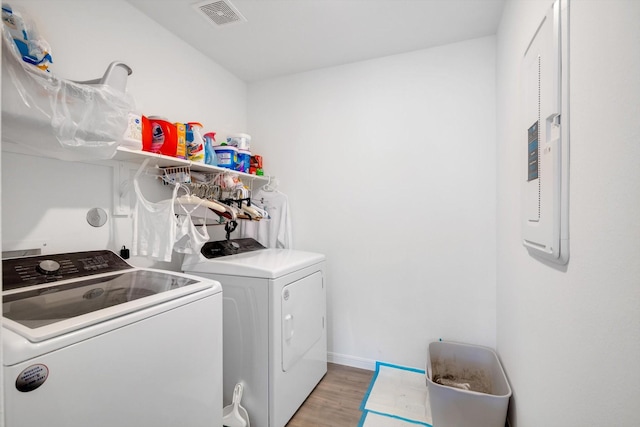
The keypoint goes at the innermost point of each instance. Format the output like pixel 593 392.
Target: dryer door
pixel 303 305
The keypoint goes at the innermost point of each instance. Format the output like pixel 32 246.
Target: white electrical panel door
pixel 544 133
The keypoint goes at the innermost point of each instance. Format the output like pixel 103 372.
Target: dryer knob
pixel 48 266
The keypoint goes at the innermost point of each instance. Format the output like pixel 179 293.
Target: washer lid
pixel 42 312
pixel 265 263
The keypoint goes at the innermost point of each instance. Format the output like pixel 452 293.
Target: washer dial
pixel 48 266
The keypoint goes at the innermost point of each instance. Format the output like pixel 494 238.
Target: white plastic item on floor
pixel 467 386
pixel 235 415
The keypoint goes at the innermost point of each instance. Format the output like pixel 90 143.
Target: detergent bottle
pixel 195 143
pixel 163 136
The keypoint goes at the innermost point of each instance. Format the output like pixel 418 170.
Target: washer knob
pixel 48 266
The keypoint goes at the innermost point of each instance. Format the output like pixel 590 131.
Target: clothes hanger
pixel 195 200
pixel 188 204
pixel 251 212
pixel 269 187
pixel 190 199
pixel 255 209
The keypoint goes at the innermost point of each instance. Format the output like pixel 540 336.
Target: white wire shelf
pixel 136 156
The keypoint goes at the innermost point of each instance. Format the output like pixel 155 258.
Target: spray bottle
pixel 209 153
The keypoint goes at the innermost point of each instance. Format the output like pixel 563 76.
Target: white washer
pixel 89 340
pixel 275 339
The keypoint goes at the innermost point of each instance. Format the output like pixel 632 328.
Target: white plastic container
pixel 242 141
pixel 484 403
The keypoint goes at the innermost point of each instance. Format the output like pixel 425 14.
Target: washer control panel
pixel 41 269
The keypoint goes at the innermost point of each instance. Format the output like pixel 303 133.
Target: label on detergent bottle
pixel 181 148
pixel 157 137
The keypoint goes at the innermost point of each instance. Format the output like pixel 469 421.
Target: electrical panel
pixel 545 136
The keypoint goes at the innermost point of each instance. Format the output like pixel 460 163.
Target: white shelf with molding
pixel 126 159
pixel 125 154
pixel 47 116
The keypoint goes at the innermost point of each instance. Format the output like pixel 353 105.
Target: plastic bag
pixel 56 117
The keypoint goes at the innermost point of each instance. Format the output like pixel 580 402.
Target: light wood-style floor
pixel 335 402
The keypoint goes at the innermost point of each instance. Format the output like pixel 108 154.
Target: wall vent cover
pixel 220 12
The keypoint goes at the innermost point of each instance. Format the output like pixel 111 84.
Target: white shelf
pixel 125 154
pixel 85 123
pixel 28 117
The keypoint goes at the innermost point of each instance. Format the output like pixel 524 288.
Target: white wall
pixel 389 166
pixel 569 337
pixel 45 200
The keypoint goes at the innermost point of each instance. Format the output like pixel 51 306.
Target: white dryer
pixel 274 322
pixel 89 340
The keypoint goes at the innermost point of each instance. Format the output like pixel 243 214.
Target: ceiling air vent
pixel 220 12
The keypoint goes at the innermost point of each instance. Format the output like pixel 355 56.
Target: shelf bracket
pixel 121 187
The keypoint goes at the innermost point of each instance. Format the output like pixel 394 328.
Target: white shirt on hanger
pixel 154 225
pixel 272 232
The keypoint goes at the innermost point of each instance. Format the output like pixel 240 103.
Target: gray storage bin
pixel 467 386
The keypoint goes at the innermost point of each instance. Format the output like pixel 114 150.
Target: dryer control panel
pixel 42 269
pixel 229 247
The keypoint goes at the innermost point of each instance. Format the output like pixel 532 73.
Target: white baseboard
pixel 353 361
